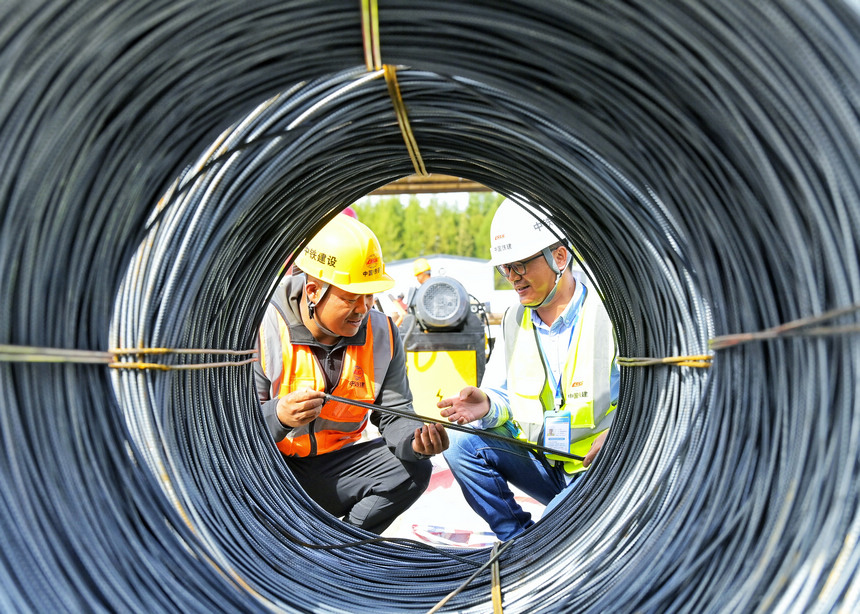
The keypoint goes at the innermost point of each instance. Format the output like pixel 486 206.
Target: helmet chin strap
pixel 312 308
pixel 547 254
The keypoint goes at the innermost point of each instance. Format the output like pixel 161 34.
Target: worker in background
pixel 558 386
pixel 320 335
pixel 421 270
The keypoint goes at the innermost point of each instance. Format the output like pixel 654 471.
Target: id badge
pixel 556 431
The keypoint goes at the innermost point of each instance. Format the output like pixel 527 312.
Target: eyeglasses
pixel 517 267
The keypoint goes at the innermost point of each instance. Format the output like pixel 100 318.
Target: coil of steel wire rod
pixel 162 159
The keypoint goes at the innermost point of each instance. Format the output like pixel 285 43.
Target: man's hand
pixel 595 448
pixel 471 404
pixel 300 407
pixel 430 439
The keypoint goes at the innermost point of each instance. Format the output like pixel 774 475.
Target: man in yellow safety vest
pixel 321 335
pixel 557 386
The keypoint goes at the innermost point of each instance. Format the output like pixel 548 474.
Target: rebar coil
pixel 160 161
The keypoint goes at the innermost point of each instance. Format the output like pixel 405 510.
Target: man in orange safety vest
pixel 321 335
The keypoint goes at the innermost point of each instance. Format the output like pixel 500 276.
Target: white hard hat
pixel 517 233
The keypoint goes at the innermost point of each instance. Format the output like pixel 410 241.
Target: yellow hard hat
pixel 346 254
pixel 420 266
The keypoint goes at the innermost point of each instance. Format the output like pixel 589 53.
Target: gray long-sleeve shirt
pixel 394 391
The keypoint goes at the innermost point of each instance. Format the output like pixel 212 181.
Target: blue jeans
pixel 484 466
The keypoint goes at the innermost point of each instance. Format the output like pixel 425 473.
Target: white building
pixel 475 274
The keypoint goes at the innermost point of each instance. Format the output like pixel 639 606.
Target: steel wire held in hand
pixel 449 425
pixel 162 160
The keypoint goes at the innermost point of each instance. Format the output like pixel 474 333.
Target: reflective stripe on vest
pixel 585 378
pixel 364 368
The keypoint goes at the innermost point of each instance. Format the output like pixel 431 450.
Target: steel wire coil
pixel 162 160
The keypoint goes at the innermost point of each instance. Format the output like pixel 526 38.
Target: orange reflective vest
pixel 338 424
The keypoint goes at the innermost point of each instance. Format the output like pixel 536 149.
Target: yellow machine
pixel 436 374
pixel 446 338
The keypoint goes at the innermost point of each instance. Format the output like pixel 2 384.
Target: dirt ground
pixel 442 517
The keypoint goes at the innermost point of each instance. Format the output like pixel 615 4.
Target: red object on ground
pixel 440 478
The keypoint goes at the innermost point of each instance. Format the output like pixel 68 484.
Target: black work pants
pixel 365 484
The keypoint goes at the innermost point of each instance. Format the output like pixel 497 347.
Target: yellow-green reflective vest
pixel 586 392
